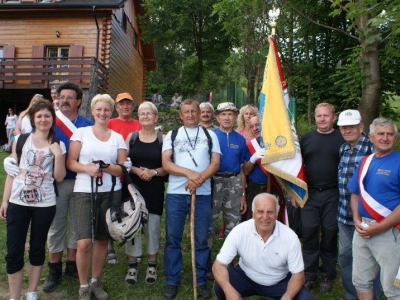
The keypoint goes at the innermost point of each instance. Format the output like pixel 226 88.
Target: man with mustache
pixel 70 100
pixel 206 116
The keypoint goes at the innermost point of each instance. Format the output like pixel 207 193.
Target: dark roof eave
pixel 98 5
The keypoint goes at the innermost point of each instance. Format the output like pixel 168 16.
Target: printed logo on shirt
pixel 383 172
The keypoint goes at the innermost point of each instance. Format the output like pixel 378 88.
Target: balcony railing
pixel 36 73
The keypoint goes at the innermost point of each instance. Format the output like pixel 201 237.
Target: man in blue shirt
pixel 375 204
pixel 351 153
pixel 229 190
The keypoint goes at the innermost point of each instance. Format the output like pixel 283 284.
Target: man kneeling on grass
pixel 271 263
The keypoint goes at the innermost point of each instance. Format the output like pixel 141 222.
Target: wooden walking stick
pixel 192 244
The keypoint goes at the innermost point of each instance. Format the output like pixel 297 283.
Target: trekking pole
pixel 91 210
pixel 192 244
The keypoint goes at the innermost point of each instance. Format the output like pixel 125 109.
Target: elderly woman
pixel 29 198
pixel 23 123
pixel 144 150
pixel 88 146
pixel 245 114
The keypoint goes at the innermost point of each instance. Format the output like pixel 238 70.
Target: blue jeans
pixel 177 208
pixel 346 233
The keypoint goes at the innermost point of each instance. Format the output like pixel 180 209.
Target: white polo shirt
pixel 265 263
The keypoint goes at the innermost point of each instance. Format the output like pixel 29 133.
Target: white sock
pixel 93 280
pixel 84 285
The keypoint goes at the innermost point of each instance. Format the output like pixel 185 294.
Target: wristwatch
pixel 156 172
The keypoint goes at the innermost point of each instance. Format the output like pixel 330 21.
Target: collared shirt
pixel 268 262
pixel 349 161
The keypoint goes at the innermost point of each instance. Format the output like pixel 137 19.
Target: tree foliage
pixel 188 28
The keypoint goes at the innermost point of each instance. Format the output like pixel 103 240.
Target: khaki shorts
pixel 83 215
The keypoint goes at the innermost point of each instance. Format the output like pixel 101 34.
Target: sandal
pixel 151 275
pixel 111 258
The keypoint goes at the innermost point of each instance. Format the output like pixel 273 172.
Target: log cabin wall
pixel 39 28
pixel 126 64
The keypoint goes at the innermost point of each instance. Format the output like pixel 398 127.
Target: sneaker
pixel 325 284
pixel 203 291
pixel 309 285
pixel 151 275
pixel 31 296
pixel 71 270
pixel 84 293
pixel 170 292
pixel 98 291
pixel 111 258
pixel 131 276
pixel 54 277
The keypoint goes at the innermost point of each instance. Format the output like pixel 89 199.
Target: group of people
pixel 222 167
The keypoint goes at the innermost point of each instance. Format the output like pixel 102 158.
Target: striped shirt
pixel 349 160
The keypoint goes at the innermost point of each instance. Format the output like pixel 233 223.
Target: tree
pixel 359 25
pixel 190 27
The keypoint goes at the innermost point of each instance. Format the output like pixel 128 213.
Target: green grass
pixel 113 275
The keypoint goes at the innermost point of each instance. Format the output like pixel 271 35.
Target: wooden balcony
pixel 42 73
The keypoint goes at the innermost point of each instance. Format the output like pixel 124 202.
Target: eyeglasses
pixel 146 114
pixel 66 98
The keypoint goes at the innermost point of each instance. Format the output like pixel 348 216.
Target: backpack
pixel 18 149
pixel 126 220
pixel 174 134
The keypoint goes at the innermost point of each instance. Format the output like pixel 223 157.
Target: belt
pixel 323 188
pixel 255 184
pixel 226 174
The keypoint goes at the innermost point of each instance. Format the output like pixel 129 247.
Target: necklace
pixel 192 146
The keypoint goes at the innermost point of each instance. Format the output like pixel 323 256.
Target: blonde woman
pixel 88 146
pixel 245 114
pixel 23 123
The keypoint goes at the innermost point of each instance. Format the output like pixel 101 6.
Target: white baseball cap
pixel 349 117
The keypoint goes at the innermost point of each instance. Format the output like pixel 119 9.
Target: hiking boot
pixel 131 276
pixel 309 285
pixel 98 291
pixel 54 278
pixel 151 275
pixel 325 284
pixel 203 291
pixel 170 292
pixel 71 270
pixel 84 293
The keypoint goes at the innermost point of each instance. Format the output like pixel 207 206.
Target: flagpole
pixel 273 14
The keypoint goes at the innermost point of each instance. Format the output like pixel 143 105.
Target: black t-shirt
pixel 321 157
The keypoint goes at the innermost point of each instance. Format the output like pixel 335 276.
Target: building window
pixel 59 54
pixel 1 52
pixel 124 20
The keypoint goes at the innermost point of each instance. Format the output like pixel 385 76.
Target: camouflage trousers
pixel 227 194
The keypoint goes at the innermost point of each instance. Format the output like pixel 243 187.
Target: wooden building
pixel 95 43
